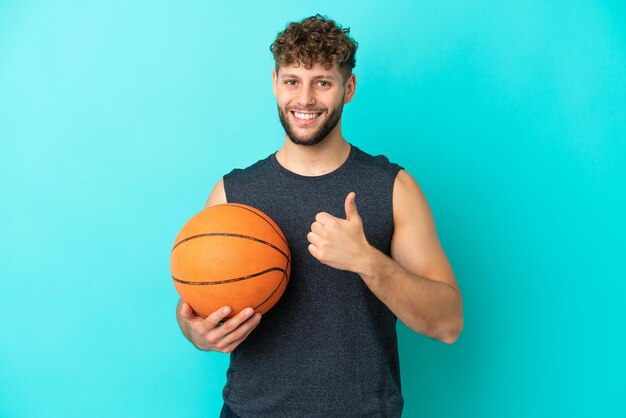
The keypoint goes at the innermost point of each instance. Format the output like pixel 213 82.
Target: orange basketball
pixel 230 255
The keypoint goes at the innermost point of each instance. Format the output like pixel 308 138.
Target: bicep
pixel 415 244
pixel 217 196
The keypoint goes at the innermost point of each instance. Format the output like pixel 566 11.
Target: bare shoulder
pixel 408 198
pixel 217 196
pixel 415 244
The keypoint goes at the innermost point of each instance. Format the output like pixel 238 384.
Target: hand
pixel 210 334
pixel 339 243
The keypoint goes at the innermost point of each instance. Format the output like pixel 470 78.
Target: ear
pixel 274 81
pixel 350 88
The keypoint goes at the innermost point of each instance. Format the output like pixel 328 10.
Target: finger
pixel 189 314
pixel 350 206
pixel 214 319
pixel 234 344
pixel 317 228
pixel 314 250
pixel 314 239
pixel 233 323
pixel 186 311
pixel 256 319
pixel 231 347
pixel 241 332
pixel 325 218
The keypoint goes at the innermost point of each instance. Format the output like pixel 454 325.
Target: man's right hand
pixel 210 333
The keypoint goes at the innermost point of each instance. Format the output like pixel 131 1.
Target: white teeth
pixel 306 116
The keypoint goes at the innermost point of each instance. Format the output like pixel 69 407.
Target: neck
pixel 315 160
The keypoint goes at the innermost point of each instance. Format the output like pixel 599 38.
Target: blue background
pixel 118 117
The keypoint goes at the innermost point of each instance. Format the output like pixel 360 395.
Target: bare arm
pixel 417 283
pixel 209 334
pixel 217 196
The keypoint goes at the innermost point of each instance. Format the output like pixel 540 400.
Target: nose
pixel 305 96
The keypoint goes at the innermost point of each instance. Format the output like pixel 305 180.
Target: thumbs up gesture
pixel 339 243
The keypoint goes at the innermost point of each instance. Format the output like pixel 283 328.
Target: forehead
pixel 317 70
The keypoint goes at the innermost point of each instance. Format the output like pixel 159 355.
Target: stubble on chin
pixel 316 136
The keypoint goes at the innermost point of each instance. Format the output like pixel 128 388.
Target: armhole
pixel 396 170
pixel 228 180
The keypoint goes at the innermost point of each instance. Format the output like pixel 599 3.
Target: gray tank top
pixel 328 348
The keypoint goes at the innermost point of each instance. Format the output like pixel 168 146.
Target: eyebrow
pixel 288 75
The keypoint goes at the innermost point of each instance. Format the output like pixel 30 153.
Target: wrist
pixel 367 265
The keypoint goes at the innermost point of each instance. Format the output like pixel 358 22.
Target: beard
pixel 316 136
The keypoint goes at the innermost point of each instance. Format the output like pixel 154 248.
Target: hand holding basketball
pixel 339 243
pixel 208 335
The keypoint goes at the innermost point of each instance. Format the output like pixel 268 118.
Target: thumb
pixel 186 311
pixel 351 211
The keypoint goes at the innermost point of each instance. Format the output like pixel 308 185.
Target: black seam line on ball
pixel 237 279
pixel 282 279
pixel 285 278
pixel 280 235
pixel 225 234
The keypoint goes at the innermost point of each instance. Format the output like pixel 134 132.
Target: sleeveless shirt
pixel 328 348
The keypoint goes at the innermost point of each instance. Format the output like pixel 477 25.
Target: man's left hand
pixel 339 243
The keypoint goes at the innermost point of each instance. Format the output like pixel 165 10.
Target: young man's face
pixel 310 102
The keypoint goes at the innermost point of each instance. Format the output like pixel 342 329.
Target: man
pixel 329 347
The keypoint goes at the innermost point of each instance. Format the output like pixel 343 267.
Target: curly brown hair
pixel 315 40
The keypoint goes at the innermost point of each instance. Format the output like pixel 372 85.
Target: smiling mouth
pixel 305 117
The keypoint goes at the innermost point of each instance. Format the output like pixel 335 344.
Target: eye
pixel 323 83
pixel 290 82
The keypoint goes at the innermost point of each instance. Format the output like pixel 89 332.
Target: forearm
pixel 181 323
pixel 428 307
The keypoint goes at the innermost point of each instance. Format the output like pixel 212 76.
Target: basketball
pixel 230 255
